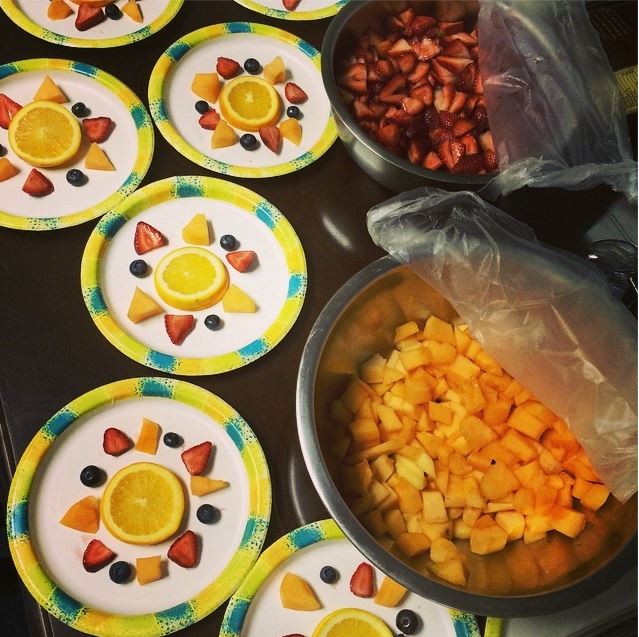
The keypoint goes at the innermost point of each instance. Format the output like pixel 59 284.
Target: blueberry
pixel 329 575
pixel 3 151
pixel 213 322
pixel 228 242
pixel 294 112
pixel 120 572
pixel 79 109
pixel 202 107
pixel 138 268
pixel 173 440
pixel 248 141
pixel 76 177
pixel 407 621
pixel 208 514
pixel 91 476
pixel 112 11
pixel 252 66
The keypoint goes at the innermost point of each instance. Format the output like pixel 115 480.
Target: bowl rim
pixel 542 603
pixel 344 115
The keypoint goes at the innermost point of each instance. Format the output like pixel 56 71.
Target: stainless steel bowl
pixel 388 169
pixel 522 580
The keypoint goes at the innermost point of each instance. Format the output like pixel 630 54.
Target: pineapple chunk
pixel 443 550
pixel 527 423
pixel 196 231
pixel 395 523
pixel 476 432
pixel 450 571
pixel 433 508
pixel 513 523
pixel 238 301
pixel 567 521
pixel 275 71
pixel 372 371
pixel 498 482
pixel 374 523
pixel 440 412
pixel 142 307
pixel 409 497
pixel 405 330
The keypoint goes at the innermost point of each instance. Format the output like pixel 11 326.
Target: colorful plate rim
pixel 95 622
pixel 194 186
pixel 14 13
pixel 283 14
pixel 277 553
pixel 143 125
pixel 180 48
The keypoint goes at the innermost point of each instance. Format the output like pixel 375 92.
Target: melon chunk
pixel 275 71
pixel 132 9
pixel 236 300
pixel 201 485
pixel 206 86
pixel 291 130
pixel 390 593
pixel 149 437
pixel 297 594
pixel 197 232
pixel 7 169
pixel 58 10
pixel 223 135
pixel 83 515
pixel 148 569
pixel 49 91
pixel 96 159
pixel 142 307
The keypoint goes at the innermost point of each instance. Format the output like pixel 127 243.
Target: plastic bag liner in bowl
pixel 553 104
pixel 547 317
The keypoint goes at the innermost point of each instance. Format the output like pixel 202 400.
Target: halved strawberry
pixel 458 102
pixel 490 159
pixel 147 238
pixel 384 68
pixel 242 260
pixel 431 118
pixel 196 458
pixel 445 154
pixel 417 151
pixel 178 326
pixel 362 583
pixel 184 551
pixel 37 185
pixel 399 116
pixel 354 78
pixel 428 49
pixel 432 161
pixel 452 64
pixel 399 48
pixel 88 16
pixel 8 109
pixel 290 5
pixel 461 127
pixel 362 111
pixel 209 120
pixel 420 24
pixel 423 93
pixel 412 105
pixel 439 135
pixel 419 73
pixel 470 165
pixel 443 75
pixel 115 442
pixel 389 134
pixel 97 129
pixel 470 143
pixel 406 16
pixel 271 138
pixel 96 556
pixel 294 93
pixel 456 49
pixel 465 38
pixel 448 28
pixel 227 67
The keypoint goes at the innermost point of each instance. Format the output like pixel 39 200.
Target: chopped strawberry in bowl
pixel 407 93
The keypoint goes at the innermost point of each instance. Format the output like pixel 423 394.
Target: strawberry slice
pixel 389 135
pixel 470 143
pixel 423 93
pixel 209 120
pixel 241 260
pixel 407 63
pixel 466 39
pixel 184 551
pixel 420 72
pixel 446 118
pixel 295 94
pixel 362 111
pixel 445 154
pixel 96 556
pixel 448 28
pixel 8 109
pixel 417 150
pixel 147 238
pixel 354 78
pixel 456 49
pixel 290 5
pixel 461 127
pixel 420 25
pixel 362 580
pixel 457 150
pixel 227 67
pixel 490 159
pixel 470 165
pixel 428 49
pixel 399 48
pixel 453 64
pixel 88 16
pixel 37 185
pixel 384 68
pixel 431 118
pixel 466 81
pixel 178 326
pixel 412 105
pixel 271 138
pixel 97 129
pixel 432 161
pixel 458 102
pixel 196 458
pixel 115 442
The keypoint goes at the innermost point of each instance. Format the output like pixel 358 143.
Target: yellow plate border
pixel 283 14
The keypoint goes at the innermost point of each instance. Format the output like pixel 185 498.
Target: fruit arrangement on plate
pixel 415 87
pixel 47 134
pixel 90 13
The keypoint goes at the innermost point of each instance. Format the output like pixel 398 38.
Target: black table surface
pixel 51 351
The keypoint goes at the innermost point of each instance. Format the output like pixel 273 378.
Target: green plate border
pixel 95 622
pixel 465 624
pixel 143 125
pixel 179 187
pixel 14 13
pixel 283 14
pixel 159 112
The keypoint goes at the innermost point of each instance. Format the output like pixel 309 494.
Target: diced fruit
pixel 88 16
pixel 7 169
pixel 207 514
pixel 223 135
pixel 132 9
pixel 595 497
pixel 294 93
pixel 184 551
pixel 227 68
pixel 115 442
pixel 149 437
pixel 8 109
pixel 487 536
pixel 297 594
pixel 97 129
pixel 209 120
pixel 147 238
pixel 291 130
pixel 242 260
pixel 58 10
pixel 37 185
pixel 148 569
pixel 196 458
pixel 271 138
pixel 390 593
pixel 83 515
pixel 96 556
pixel 196 231
pixel 206 86
pixel 96 159
pixel 50 92
pixel 362 581
pixel 275 71
pixel 120 572
pixel 201 485
pixel 236 300
pixel 142 307
pixel 412 544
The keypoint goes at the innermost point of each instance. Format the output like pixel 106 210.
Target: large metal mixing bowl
pixel 522 580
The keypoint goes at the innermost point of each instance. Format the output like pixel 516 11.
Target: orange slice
pixel 249 103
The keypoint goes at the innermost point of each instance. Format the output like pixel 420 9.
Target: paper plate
pixel 172 101
pixel 48 556
pixel 31 15
pixel 306 9
pixel 277 284
pixel 129 146
pixel 256 610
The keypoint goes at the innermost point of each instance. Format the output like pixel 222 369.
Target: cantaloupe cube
pixel 148 437
pixel 374 523
pixel 487 536
pixel 148 569
pixel 513 523
pixel 433 507
pixel 461 531
pixel 595 497
pixel 7 169
pixel 411 359
pixel 132 9
pixel 440 353
pixel 497 451
pixel 297 594
pixel 58 10
pixel 524 501
pixel 442 550
pixel 366 410
pixel 405 330
pixel 457 464
pixel 450 571
pixel 488 363
pixel 472 494
pixel 49 91
pixel 518 445
pixel 462 338
pixel 567 521
pixel 197 231
pixel 497 412
pixel 275 71
pixel 96 159
pixel 472 398
pixel 356 479
pixel 409 497
pixel 237 301
pixel 440 412
pixel 291 130
pixel 410 471
pixel 223 136
pixel 83 516
pixel 439 330
pixel 390 593
pixel 417 392
pixel 476 432
pixel 339 449
pixel 365 433
pixel 395 522
pixel 536 528
pixel 462 370
pixel 339 414
pixel 360 504
pixel 392 375
pixel 355 395
pixel 382 467
pixel 545 497
pixel 527 423
pixel 378 491
pixel 142 307
pixel 372 370
pixel 206 86
pixel 498 481
pixel 412 544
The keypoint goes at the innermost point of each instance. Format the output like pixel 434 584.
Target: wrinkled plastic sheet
pixel 554 107
pixel 547 317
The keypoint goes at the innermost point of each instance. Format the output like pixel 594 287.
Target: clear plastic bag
pixel 554 107
pixel 547 317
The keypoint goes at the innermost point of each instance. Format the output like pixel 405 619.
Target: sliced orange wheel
pixel 249 103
